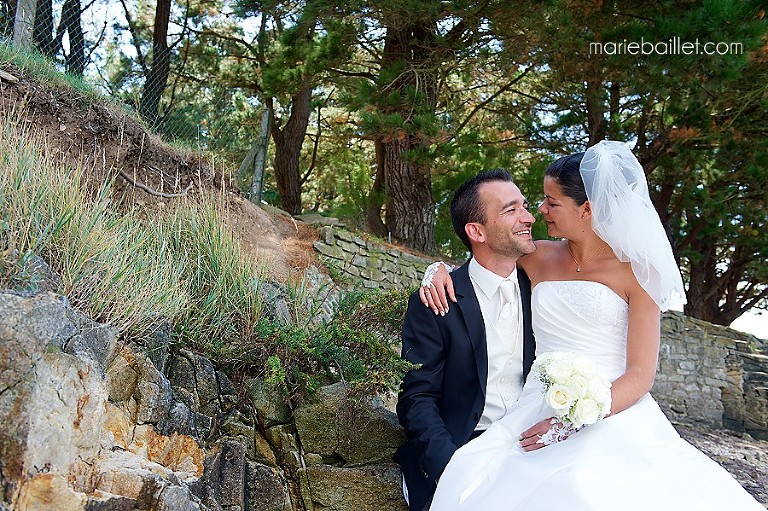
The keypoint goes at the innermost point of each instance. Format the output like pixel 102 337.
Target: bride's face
pixel 561 213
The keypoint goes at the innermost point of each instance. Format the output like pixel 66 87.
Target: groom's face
pixel 506 226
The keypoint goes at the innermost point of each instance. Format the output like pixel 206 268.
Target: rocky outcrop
pixel 91 422
pixel 94 422
pixel 64 444
pixel 348 449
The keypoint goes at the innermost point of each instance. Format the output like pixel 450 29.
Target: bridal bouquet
pixel 573 387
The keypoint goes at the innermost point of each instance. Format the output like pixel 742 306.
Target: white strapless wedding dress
pixel 634 460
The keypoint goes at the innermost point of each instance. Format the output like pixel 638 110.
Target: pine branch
pixel 135 39
pixel 490 98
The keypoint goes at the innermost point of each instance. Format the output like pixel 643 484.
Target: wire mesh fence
pixel 153 57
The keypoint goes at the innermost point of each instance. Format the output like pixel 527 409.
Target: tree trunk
pixel 157 78
pixel 595 104
pixel 410 211
pixel 288 142
pixel 613 130
pixel 718 297
pixel 42 32
pixel 375 199
pixel 7 16
pixel 410 214
pixel 70 19
pixel 23 23
pixel 701 303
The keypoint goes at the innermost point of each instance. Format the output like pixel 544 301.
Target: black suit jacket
pixel 441 402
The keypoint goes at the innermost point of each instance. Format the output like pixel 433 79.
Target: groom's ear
pixel 475 232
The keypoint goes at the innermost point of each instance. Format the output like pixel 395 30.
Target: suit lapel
pixel 529 345
pixel 473 320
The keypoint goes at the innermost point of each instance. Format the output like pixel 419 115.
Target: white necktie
pixel 507 324
pixel 508 294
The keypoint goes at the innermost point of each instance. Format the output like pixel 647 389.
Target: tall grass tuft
pixel 224 305
pixel 114 266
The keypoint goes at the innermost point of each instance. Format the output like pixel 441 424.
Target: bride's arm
pixel 437 286
pixel 643 338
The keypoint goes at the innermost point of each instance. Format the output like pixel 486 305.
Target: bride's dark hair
pixel 565 171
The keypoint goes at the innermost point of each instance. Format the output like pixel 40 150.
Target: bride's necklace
pixel 580 264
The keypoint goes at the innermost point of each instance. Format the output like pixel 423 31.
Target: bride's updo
pixel 565 172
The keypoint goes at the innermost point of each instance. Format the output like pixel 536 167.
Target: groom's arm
pixel 422 389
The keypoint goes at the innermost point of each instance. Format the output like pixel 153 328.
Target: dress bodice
pixel 581 316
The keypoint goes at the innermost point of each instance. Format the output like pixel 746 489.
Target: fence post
pixel 22 25
pixel 260 160
pixel 255 161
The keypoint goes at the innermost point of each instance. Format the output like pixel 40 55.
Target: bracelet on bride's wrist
pixel 433 268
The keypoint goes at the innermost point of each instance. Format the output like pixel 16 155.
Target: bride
pixel 599 292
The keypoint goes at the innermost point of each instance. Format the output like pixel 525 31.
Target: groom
pixel 473 360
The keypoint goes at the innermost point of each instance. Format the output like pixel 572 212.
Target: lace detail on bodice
pixel 596 302
pixel 581 316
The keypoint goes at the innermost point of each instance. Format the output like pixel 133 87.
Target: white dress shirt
pixel 504 344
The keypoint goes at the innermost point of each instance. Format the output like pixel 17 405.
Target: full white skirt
pixel 634 460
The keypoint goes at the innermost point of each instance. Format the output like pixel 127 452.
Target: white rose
pixel 559 370
pixel 558 398
pixel 584 366
pixel 578 386
pixel 600 390
pixel 586 411
pixel 541 362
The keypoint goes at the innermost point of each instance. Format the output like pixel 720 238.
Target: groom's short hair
pixel 466 206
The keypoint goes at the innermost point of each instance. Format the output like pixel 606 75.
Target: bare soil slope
pixel 147 173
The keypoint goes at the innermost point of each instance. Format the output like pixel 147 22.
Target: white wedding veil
pixel 624 217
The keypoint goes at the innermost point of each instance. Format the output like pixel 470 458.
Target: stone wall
pixel 373 264
pixel 712 375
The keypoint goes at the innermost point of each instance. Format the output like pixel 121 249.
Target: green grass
pixel 117 267
pixel 43 70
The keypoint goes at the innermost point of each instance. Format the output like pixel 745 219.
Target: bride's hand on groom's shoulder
pixel 437 288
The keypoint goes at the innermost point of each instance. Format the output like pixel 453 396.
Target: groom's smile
pixel 506 225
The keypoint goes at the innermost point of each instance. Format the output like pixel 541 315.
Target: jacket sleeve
pixel 417 407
